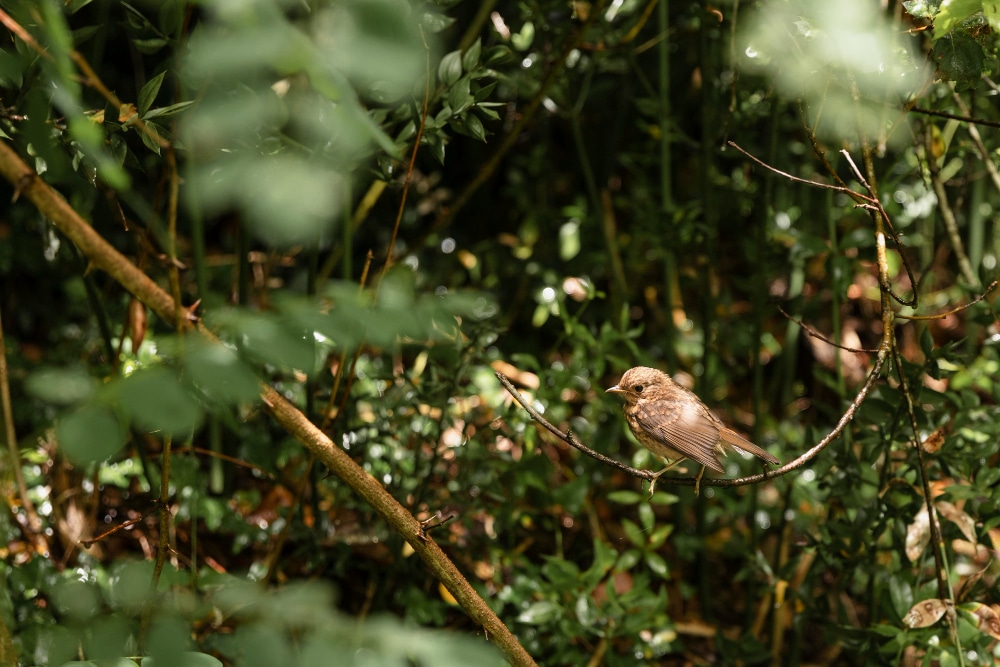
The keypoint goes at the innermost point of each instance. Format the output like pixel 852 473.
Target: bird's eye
pixel 638 388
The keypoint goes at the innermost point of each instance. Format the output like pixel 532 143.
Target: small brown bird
pixel 674 424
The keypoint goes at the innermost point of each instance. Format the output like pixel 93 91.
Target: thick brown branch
pixel 103 256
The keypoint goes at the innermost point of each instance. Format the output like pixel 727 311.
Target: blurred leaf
pixel 284 199
pixel 92 433
pixel 218 370
pixel 953 12
pixel 569 240
pixel 371 41
pixel 625 497
pixel 844 57
pixel 62 386
pixel 540 613
pixel 657 564
pixel 155 398
pixel 187 659
pixel 269 339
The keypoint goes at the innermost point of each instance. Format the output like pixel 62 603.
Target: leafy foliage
pixel 376 205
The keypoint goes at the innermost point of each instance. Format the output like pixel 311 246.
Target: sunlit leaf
pixel 953 12
pixel 842 57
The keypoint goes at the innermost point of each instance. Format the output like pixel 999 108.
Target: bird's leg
pixel 697 481
pixel 652 480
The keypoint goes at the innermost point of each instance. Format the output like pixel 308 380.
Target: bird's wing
pixel 741 443
pixel 684 427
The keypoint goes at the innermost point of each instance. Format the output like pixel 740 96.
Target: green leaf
pixel 470 125
pixel 286 200
pixel 157 401
pixel 218 370
pixel 625 497
pixel 459 97
pixel 435 22
pixel 148 94
pixel 271 339
pixel 62 386
pixel 76 5
pixel 484 92
pixel 960 58
pixel 522 39
pixel 151 144
pixel 497 55
pixel 628 560
pixel 167 110
pixel 540 613
pixel 450 68
pixel 952 13
pixel 633 533
pixel 647 517
pixel 92 433
pixel 471 57
pixel 657 564
pixel 569 240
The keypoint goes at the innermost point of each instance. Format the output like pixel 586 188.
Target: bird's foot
pixel 652 480
pixel 697 481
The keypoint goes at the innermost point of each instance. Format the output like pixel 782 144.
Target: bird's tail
pixel 744 445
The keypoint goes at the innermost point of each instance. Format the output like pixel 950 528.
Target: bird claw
pixel 697 481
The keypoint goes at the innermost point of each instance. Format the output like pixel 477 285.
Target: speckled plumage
pixel 674 424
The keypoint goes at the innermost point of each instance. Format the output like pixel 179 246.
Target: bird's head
pixel 641 383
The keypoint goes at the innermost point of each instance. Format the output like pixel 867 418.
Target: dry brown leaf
pixel 965 523
pixel 934 441
pixel 918 534
pixel 926 613
pixel 985 618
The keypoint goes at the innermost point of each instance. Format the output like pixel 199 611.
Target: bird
pixel 672 422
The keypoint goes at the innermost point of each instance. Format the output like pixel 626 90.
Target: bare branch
pixel 571 439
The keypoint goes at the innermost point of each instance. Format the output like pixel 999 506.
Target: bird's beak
pixel 615 390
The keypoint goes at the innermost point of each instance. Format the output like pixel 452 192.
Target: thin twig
pixel 939 316
pixel 951 116
pixel 815 334
pixel 797 179
pixel 951 224
pixel 413 159
pixel 884 218
pixel 122 526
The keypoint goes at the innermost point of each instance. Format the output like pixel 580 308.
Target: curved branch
pixel 571 440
